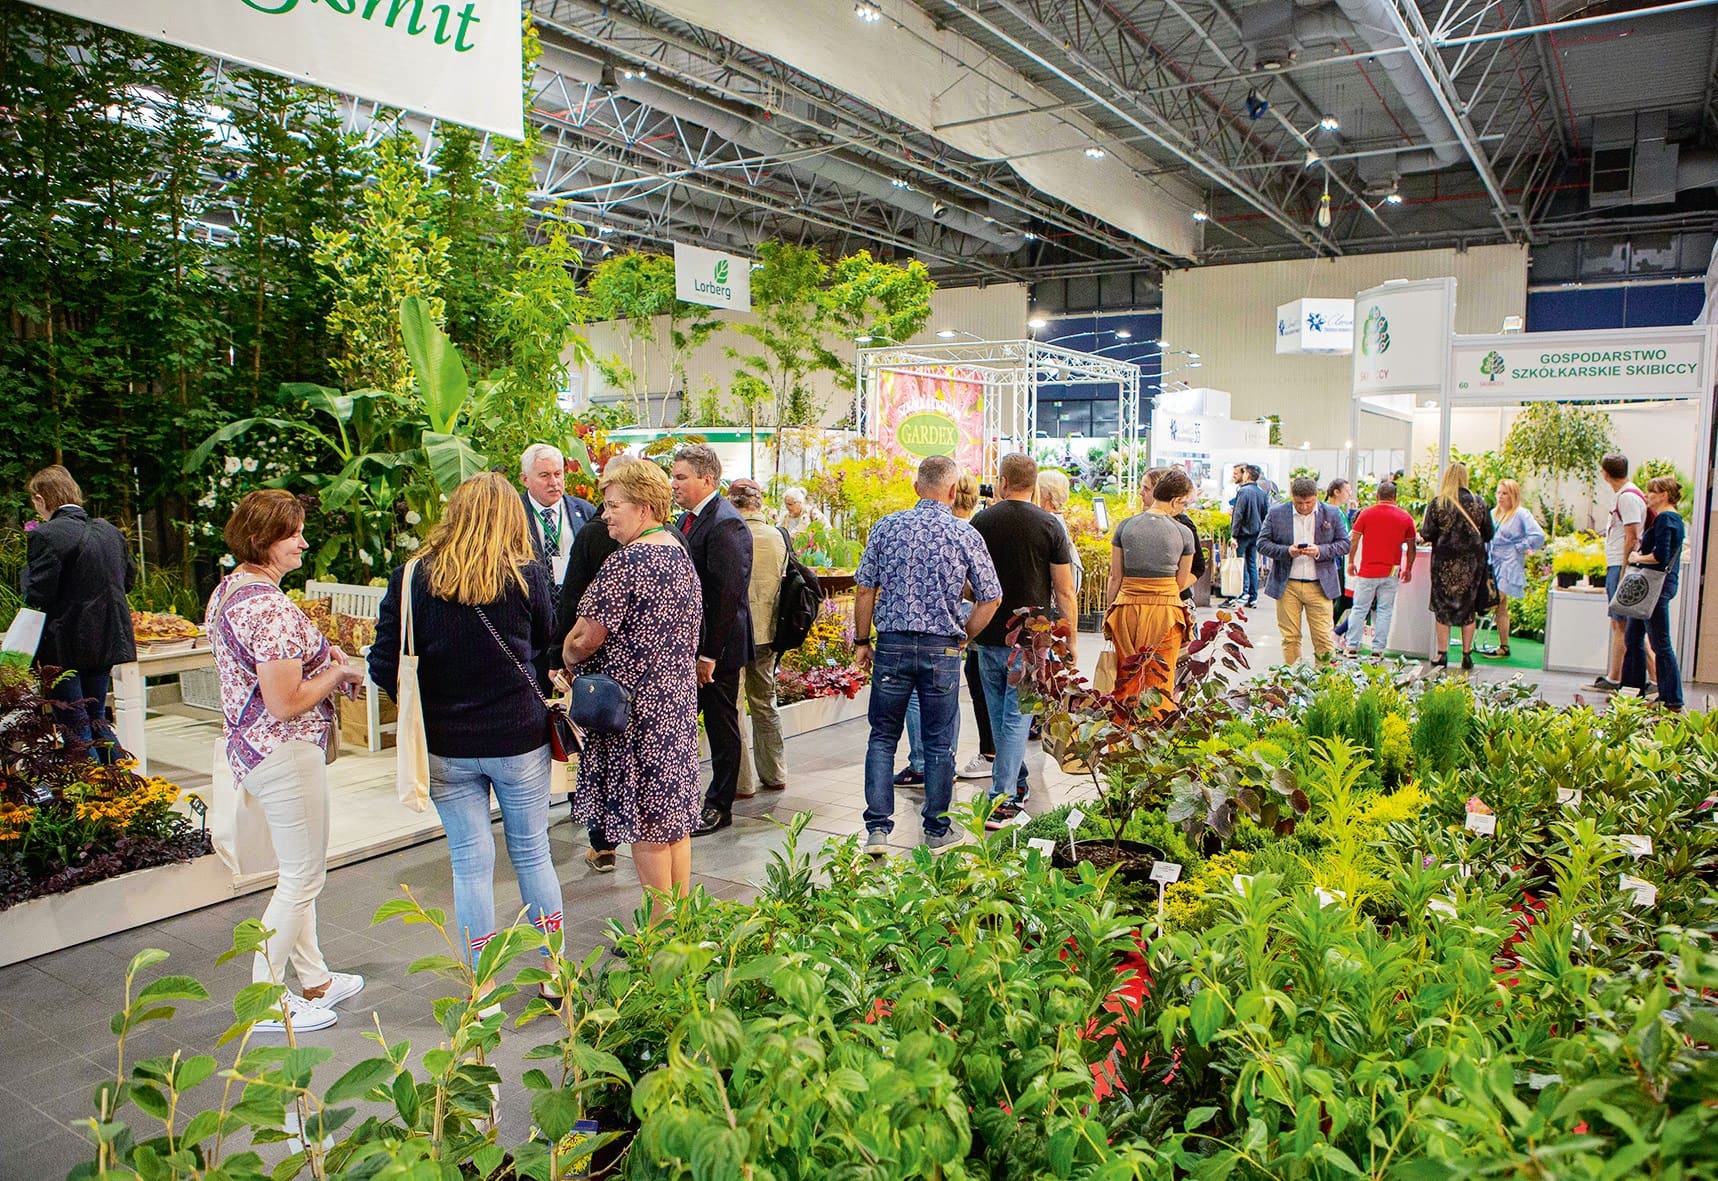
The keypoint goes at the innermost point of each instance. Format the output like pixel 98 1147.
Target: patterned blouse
pixel 257 624
pixel 920 561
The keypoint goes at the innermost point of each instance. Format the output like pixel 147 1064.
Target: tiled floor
pixel 54 1010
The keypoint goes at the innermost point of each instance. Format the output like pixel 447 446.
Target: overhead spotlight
pixel 1312 157
pixel 605 230
pixel 1256 106
pixel 867 12
pixel 1393 197
pixel 901 182
pixel 1201 215
pixel 1330 123
pixel 1324 207
pixel 937 210
pixel 947 334
pixel 1162 344
pixel 1029 236
pixel 631 74
pixel 606 80
pixel 1095 153
pixel 1123 334
pixel 1037 322
pixel 1195 364
pixel 863 339
pixel 1192 356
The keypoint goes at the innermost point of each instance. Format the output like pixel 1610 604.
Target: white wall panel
pixel 1228 316
pixel 995 312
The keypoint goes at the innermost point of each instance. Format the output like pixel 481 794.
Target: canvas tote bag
pixel 411 745
pixel 238 829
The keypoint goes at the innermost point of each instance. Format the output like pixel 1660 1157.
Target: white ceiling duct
pixel 932 78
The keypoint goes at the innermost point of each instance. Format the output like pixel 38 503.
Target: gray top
pixel 1152 545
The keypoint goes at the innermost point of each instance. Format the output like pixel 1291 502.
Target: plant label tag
pixel 1569 797
pixel 1483 823
pixel 1021 819
pixel 1441 906
pixel 1075 819
pixel 1645 893
pixel 1636 845
pixel 1164 872
pixel 1540 1081
pixel 1328 897
pixel 1044 845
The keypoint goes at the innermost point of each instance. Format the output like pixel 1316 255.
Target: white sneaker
pixel 307 1017
pixel 979 768
pixel 341 986
pixel 877 844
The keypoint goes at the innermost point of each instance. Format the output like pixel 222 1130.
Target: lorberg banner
pixel 458 60
pixel 711 278
pixel 933 411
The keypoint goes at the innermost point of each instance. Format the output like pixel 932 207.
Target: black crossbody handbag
pixel 564 740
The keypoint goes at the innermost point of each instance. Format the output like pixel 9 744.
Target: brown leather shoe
pixel 775 787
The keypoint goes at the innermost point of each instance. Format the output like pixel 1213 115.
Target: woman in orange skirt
pixel 1151 561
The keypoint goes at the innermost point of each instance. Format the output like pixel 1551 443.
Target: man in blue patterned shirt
pixel 917 567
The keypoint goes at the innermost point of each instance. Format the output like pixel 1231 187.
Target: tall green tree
pixel 637 290
pixel 1558 441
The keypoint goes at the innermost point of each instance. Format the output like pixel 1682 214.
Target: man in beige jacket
pixel 769 564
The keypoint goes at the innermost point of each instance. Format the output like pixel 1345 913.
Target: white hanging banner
pixel 711 278
pixel 459 60
pixel 1619 363
pixel 1402 336
pixel 1316 326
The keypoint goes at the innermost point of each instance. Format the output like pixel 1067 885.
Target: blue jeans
pixel 1008 726
pixel 460 789
pixel 1657 629
pixel 915 735
pixel 80 707
pixel 1370 592
pixel 908 665
pixel 1247 549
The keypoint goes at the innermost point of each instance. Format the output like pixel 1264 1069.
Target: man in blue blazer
pixel 720 543
pixel 1306 541
pixel 555 519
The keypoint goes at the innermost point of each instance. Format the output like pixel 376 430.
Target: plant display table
pixel 130 694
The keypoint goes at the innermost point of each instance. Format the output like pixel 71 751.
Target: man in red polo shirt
pixel 1384 538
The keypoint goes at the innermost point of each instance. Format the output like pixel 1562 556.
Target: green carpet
pixel 1523 654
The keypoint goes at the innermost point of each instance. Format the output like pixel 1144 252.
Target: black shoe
pixel 1604 685
pixel 910 778
pixel 1467 661
pixel 713 820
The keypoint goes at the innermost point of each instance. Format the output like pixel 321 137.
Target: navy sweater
pixel 477 704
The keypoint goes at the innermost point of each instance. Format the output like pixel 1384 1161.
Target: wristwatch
pixel 861 643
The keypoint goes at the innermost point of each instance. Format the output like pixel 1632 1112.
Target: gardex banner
pixel 458 60
pixel 935 410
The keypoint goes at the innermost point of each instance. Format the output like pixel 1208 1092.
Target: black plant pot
pixel 1566 579
pixel 1134 857
pixel 1597 580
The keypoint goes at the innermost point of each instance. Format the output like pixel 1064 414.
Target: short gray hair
pixel 701 458
pixel 937 472
pixel 1302 487
pixel 794 492
pixel 538 451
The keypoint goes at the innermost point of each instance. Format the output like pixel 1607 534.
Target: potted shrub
pixel 1596 568
pixel 1568 566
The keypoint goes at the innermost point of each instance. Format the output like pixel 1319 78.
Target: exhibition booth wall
pixel 1222 313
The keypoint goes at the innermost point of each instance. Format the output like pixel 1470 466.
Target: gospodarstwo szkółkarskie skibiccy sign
pixel 458 60
pixel 712 278
pixel 1526 368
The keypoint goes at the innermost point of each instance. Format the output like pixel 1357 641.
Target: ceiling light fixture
pixel 1095 153
pixel 1201 215
pixel 937 210
pixel 631 74
pixel 1393 197
pixel 948 334
pixel 1123 334
pixel 1030 236
pixel 901 182
pixel 1256 106
pixel 605 229
pixel 1037 322
pixel 1330 123
pixel 867 12
pixel 1324 215
pixel 606 79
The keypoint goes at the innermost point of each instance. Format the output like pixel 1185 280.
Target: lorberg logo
pixel 1492 365
pixel 720 286
pixel 1375 333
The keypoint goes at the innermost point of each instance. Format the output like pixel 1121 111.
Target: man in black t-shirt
pixel 1030 551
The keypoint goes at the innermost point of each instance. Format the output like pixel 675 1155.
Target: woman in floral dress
pixel 638 623
pixel 1458 527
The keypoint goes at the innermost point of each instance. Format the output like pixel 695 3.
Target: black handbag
pixel 564 738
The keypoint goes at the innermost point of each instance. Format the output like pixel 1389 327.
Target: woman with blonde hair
pixel 1151 563
pixel 1517 535
pixel 479 609
pixel 1458 527
pixel 638 623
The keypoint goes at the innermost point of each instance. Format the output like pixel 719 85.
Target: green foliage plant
pixel 1443 719
pixel 1557 442
pixel 638 290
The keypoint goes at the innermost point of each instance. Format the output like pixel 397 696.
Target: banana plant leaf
pixel 440 373
pixel 452 460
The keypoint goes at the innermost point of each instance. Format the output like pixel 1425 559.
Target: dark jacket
pixel 580 512
pixel 1330 534
pixel 1247 518
pixel 720 543
pixel 77 574
pixel 1662 538
pixel 591 548
pixel 477 703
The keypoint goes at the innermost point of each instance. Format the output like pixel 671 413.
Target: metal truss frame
pixel 1012 371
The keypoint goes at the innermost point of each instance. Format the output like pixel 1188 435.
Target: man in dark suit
pixel 1305 540
pixel 720 543
pixel 555 520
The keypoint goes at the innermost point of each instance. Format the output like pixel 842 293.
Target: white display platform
pixel 1578 631
pixel 1412 626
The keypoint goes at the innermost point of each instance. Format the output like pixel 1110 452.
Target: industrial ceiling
pixel 1033 139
